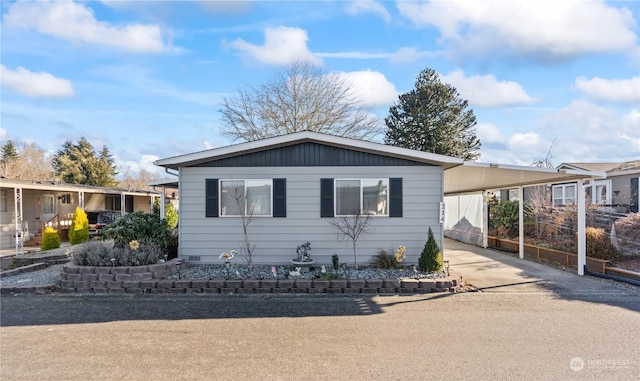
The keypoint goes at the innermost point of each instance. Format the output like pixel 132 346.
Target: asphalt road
pixel 528 323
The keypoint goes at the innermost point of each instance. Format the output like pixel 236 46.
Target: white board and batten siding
pixel 276 239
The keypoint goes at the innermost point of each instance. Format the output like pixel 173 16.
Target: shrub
pixel 431 258
pixel 335 261
pixel 100 253
pixel 599 244
pixel 50 239
pixel 145 228
pixel 170 214
pixel 628 234
pixel 506 218
pixel 79 229
pixel 383 260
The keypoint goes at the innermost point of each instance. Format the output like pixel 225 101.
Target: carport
pixel 478 178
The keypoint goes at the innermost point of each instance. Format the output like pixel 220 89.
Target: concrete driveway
pixel 495 271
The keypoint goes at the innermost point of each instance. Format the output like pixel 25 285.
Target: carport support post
pixel 520 222
pixel 582 239
pixel 162 201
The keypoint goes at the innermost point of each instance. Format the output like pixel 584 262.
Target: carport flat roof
pixel 474 177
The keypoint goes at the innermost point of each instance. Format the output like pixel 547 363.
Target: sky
pixel 146 78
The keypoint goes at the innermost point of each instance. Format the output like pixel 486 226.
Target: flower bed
pixel 161 278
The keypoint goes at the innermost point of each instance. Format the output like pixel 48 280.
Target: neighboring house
pixel 294 185
pixel 27 206
pixel 618 192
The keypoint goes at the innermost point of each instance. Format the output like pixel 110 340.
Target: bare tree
pixel 32 163
pixel 299 98
pixel 546 162
pixel 351 227
pixel 247 248
pixel 138 181
pixel 539 198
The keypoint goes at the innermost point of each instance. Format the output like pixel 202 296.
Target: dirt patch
pixel 631 264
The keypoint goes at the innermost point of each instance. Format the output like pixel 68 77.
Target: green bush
pixel 431 258
pixel 103 254
pixel 599 244
pixel 383 260
pixel 145 228
pixel 506 218
pixel 170 214
pixel 335 261
pixel 50 239
pixel 79 229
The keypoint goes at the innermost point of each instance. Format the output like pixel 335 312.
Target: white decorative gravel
pixel 45 277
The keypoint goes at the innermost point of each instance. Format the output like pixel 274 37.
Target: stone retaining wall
pixel 151 279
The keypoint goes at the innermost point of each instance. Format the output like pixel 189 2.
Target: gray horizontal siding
pixel 276 239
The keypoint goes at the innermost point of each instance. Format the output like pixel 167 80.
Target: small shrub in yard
pixel 50 239
pixel 431 258
pixel 383 260
pixel 145 228
pixel 79 229
pixel 599 244
pixel 100 253
pixel 335 261
pixel 628 234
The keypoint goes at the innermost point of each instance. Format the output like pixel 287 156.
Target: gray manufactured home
pixel 292 185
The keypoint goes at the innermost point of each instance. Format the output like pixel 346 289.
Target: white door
pixel 49 206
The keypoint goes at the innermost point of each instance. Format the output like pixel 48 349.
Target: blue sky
pixel 146 78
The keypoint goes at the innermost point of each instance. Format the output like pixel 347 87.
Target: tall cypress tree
pixel 433 118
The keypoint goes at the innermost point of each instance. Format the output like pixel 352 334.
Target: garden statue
pixel 304 252
pixel 295 273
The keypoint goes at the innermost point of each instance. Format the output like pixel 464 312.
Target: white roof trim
pixel 176 162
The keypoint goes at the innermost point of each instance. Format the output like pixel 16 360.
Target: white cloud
pixel 41 84
pixel 371 87
pixel 134 167
pixel 77 23
pixel 489 133
pixel 547 29
pixel 614 90
pixel 282 46
pixel 588 132
pixel 3 134
pixel 486 90
pixel 357 7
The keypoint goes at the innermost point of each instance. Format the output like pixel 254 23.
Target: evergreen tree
pixel 433 118
pixel 431 258
pixel 8 152
pixel 170 214
pixel 78 164
pixel 104 171
pixel 79 229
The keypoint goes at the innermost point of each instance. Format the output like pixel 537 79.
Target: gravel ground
pixel 283 272
pixel 44 277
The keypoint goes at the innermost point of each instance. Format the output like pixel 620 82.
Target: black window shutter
pixel 395 197
pixel 279 197
pixel 211 194
pixel 326 197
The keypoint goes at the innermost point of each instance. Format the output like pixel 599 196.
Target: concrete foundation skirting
pixel 151 280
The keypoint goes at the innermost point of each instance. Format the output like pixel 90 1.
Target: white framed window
pixel 370 196
pixel 3 200
pixel 254 196
pixel 65 198
pixel 564 194
pixel 601 192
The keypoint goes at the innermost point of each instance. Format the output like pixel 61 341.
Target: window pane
pixel 570 191
pixel 601 194
pixel 3 200
pixel 347 197
pixel 258 197
pixel 374 196
pixel 48 204
pixel 557 192
pixel 231 197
